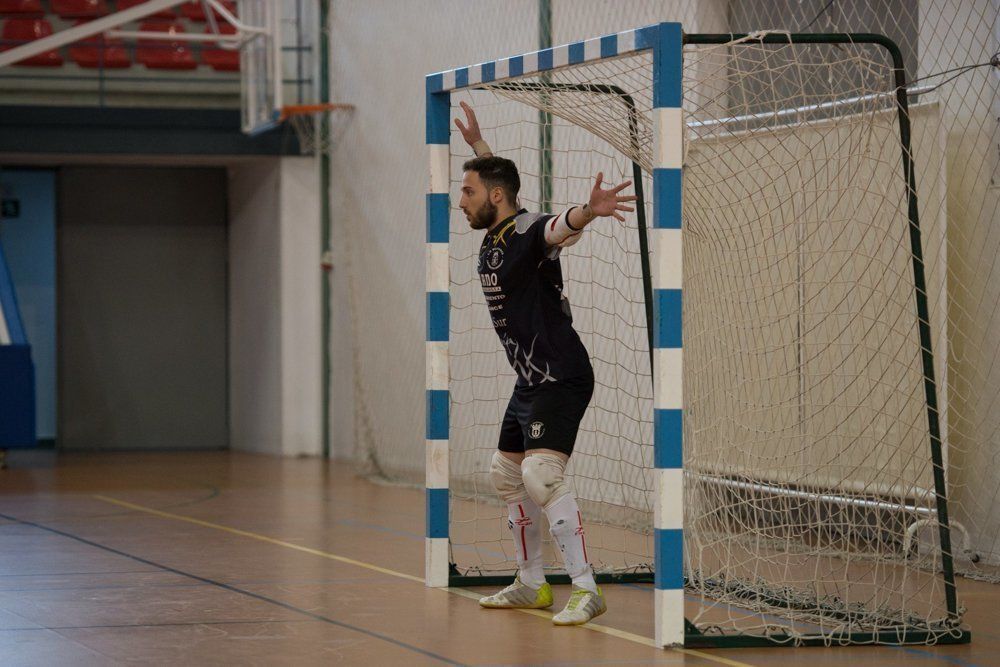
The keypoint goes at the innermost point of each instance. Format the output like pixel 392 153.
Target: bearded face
pixel 475 203
pixel 483 217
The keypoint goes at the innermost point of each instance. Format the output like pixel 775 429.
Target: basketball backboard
pixel 279 66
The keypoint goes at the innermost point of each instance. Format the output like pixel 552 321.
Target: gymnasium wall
pixel 380 175
pixel 141 284
pixel 275 370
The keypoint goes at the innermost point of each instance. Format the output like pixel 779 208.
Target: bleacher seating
pixel 162 14
pixel 79 9
pixel 164 54
pixel 24 21
pixel 100 51
pixel 17 31
pixel 22 8
pixel 221 60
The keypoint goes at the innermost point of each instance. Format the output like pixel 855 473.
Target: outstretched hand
pixel 608 202
pixel 470 132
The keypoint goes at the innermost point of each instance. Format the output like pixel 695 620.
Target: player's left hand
pixel 606 203
pixel 470 130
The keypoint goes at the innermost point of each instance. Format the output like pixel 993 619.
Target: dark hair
pixel 496 172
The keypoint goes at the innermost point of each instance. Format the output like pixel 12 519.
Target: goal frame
pixel 664 289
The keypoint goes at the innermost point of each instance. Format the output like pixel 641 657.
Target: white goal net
pixel 810 502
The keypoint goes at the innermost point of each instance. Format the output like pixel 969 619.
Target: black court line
pixel 234 589
pixel 211 493
pixel 262 582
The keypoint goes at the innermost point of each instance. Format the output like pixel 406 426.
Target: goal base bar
pixel 694 638
pixel 883 638
pixel 458 580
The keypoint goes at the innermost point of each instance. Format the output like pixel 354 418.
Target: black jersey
pixel 523 285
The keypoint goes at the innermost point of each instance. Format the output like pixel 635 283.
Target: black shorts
pixel 545 416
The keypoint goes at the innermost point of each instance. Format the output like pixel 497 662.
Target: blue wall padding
pixel 8 304
pixel 17 396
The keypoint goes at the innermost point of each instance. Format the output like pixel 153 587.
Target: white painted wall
pixel 275 362
pixel 301 308
pixel 380 54
pixel 952 34
pixel 254 305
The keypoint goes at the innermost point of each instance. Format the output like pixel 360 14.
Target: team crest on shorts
pixel 535 430
pixel 494 258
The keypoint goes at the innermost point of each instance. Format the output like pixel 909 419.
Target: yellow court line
pixel 614 632
pixel 255 536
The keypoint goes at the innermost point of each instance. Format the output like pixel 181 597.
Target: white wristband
pixel 559 233
pixel 481 148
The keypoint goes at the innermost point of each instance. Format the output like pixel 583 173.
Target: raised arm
pixel 471 133
pixel 565 229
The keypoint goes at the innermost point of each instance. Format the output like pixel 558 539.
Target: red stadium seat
pixel 221 60
pixel 164 54
pixel 22 8
pixel 162 14
pixel 21 31
pixel 99 51
pixel 195 11
pixel 79 9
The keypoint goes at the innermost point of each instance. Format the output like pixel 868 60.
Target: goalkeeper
pixel 522 282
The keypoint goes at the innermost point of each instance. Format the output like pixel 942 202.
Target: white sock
pixel 566 526
pixel 525 524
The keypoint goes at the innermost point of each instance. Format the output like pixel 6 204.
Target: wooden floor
pixel 235 559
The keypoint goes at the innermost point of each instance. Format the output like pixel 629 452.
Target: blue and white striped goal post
pixel 665 41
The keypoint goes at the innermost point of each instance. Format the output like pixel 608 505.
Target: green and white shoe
pixel 519 596
pixel 583 606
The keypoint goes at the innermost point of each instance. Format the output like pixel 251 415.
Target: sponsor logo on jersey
pixel 494 258
pixel 501 236
pixel 535 430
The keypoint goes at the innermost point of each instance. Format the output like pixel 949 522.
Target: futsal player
pixel 522 281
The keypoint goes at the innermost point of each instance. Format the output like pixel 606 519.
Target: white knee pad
pixel 506 478
pixel 543 478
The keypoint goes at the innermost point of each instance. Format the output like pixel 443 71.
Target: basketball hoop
pixel 308 122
